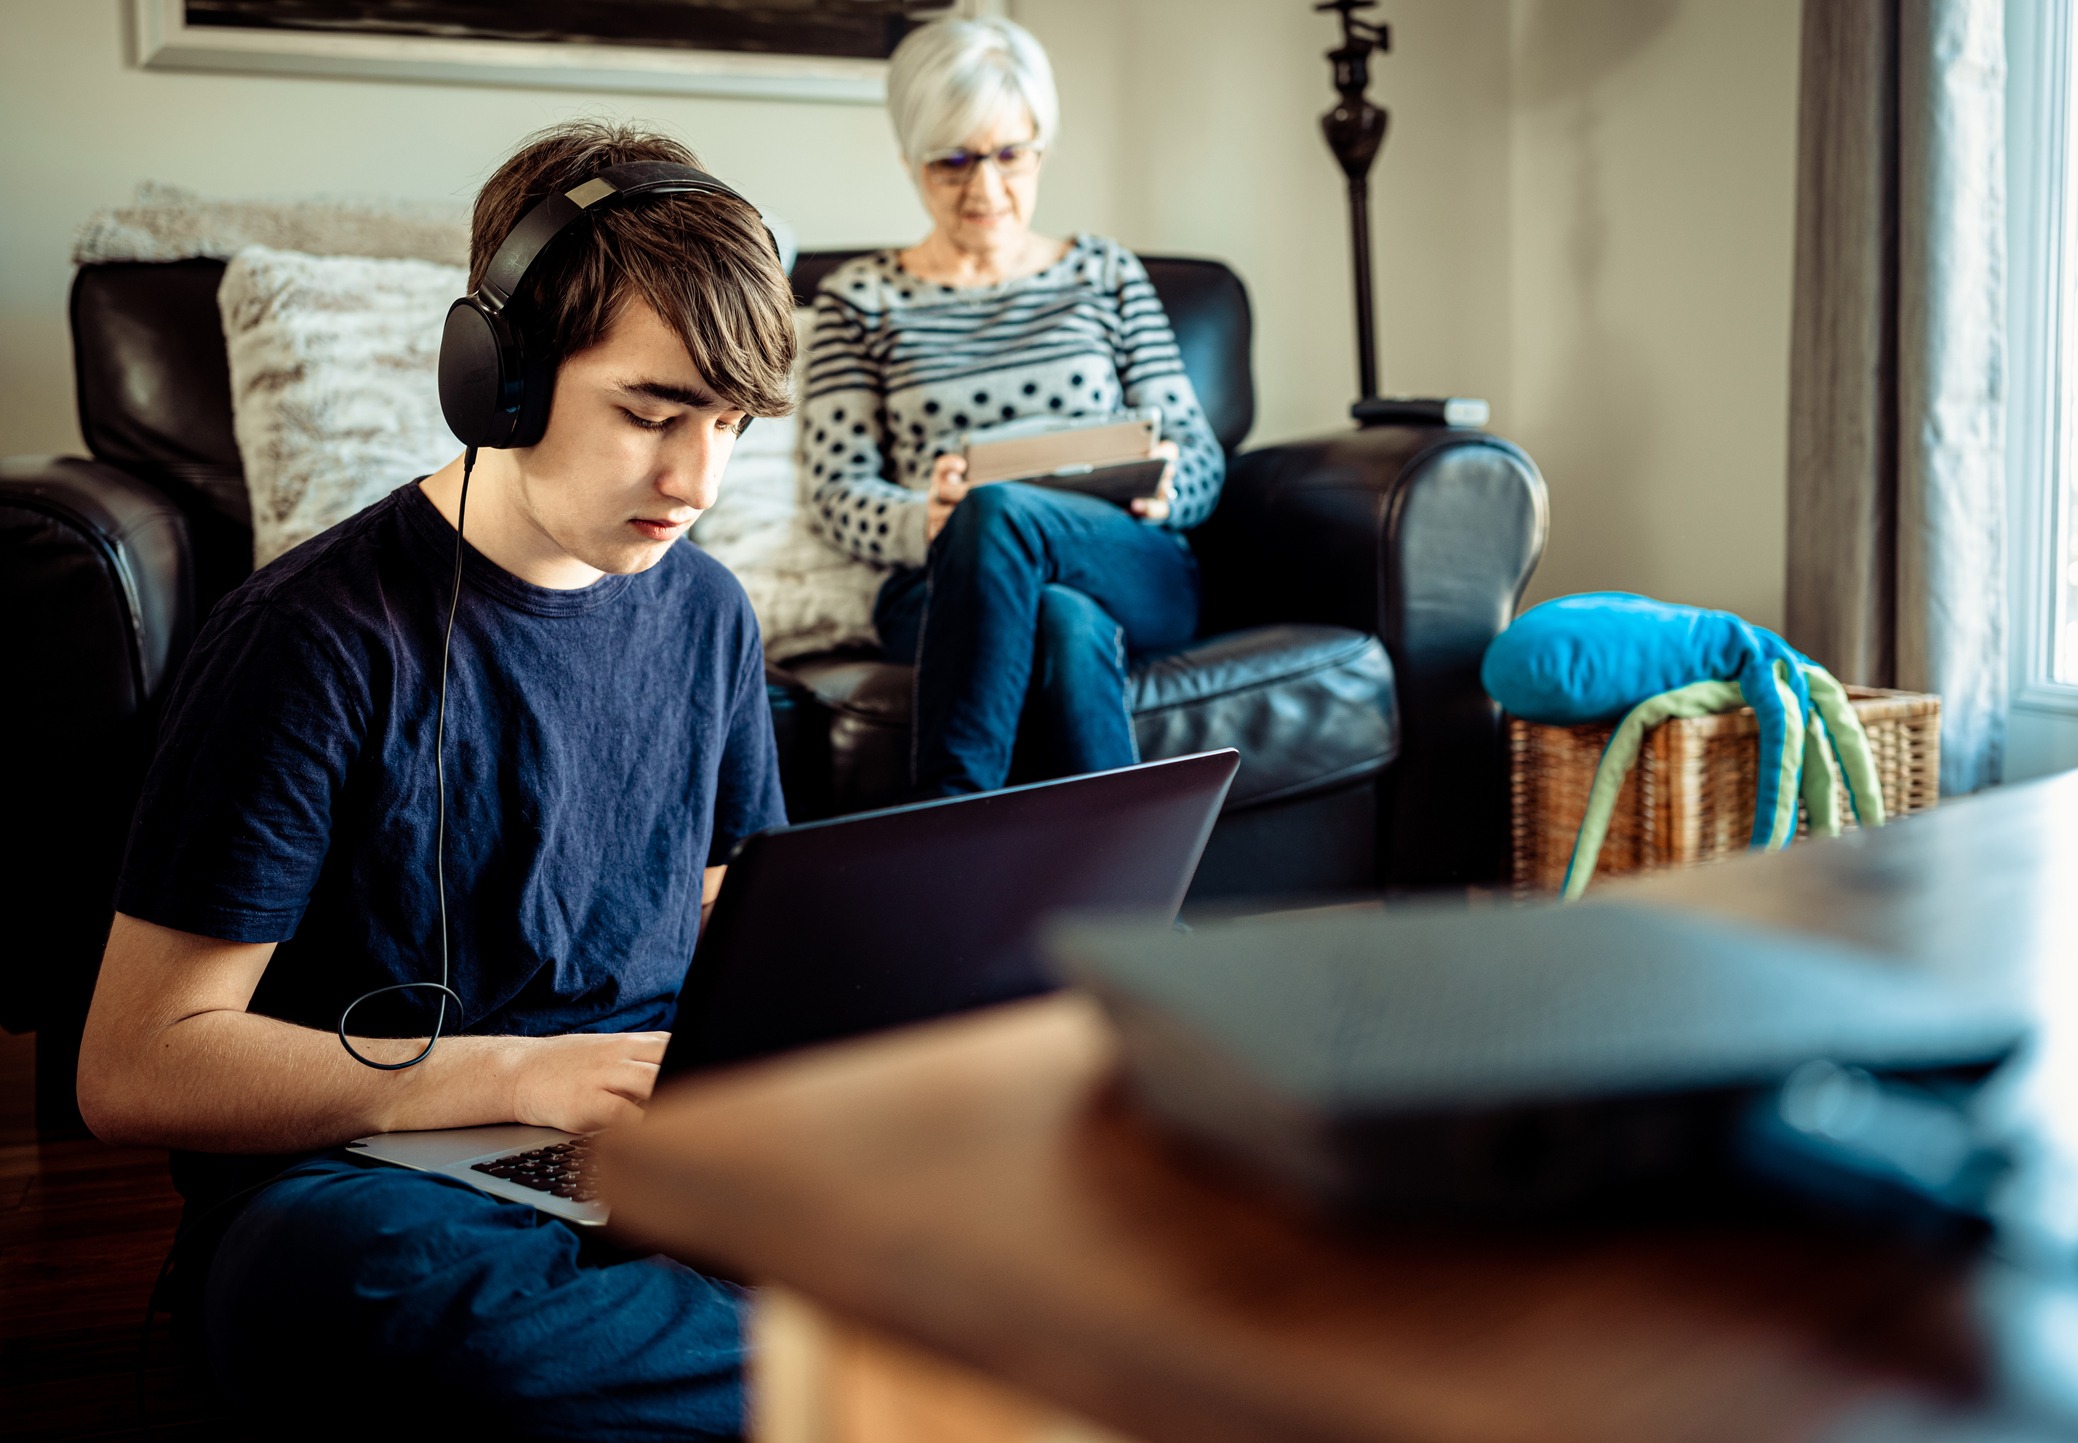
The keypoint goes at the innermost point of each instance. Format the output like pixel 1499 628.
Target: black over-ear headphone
pixel 496 379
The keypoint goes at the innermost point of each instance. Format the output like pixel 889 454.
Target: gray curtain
pixel 1897 567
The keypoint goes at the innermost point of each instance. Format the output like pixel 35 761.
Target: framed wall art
pixel 833 50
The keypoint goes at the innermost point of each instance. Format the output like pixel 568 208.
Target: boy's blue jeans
pixel 353 1298
pixel 1027 608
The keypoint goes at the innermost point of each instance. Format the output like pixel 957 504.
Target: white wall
pixel 1582 212
pixel 82 125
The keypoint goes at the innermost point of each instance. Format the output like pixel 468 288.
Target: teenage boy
pixel 607 740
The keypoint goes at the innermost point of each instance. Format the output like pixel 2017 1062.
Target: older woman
pixel 1018 603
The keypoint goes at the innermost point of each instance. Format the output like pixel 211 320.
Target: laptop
pixel 830 929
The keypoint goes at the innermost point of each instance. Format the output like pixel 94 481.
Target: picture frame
pixel 167 39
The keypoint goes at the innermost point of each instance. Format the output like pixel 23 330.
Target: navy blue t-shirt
pixel 604 746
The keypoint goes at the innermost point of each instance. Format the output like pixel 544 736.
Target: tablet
pixel 1106 456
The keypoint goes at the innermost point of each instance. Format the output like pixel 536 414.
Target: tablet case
pixel 1039 447
pixel 1514 1061
pixel 1120 484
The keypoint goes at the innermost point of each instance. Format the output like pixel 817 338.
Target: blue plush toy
pixel 1609 655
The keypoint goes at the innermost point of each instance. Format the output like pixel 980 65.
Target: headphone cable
pixel 447 640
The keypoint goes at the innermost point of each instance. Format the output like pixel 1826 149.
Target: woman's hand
pixel 1156 507
pixel 948 489
pixel 584 1081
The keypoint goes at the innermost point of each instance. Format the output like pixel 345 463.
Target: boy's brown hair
pixel 703 263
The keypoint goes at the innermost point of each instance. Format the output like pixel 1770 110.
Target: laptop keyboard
pixel 563 1168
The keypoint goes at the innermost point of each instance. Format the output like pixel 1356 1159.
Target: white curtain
pixel 1897 557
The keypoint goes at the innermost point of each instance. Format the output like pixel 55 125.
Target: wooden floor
pixel 83 1229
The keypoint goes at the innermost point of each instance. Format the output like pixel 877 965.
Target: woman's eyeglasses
pixel 960 165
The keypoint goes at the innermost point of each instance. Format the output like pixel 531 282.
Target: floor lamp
pixel 1355 129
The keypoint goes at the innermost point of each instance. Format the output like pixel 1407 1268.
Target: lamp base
pixel 1466 411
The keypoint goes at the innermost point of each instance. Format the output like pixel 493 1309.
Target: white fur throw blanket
pixel 168 223
pixel 335 404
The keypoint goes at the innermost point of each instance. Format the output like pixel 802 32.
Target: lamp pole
pixel 1355 129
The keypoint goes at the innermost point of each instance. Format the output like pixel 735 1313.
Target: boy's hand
pixel 584 1081
pixel 948 489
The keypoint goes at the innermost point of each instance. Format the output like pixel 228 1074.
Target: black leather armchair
pixel 1352 584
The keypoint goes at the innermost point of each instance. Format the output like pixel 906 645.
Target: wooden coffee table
pixel 973 1235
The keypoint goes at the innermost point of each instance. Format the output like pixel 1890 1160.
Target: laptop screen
pixel 830 929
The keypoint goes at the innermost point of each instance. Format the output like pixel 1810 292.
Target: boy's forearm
pixel 224 1081
pixel 173 1057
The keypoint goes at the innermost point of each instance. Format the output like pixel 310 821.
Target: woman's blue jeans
pixel 1026 609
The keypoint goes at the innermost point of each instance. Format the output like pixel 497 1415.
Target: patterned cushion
pixel 333 393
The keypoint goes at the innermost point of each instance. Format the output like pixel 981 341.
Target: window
pixel 2045 130
pixel 2042 388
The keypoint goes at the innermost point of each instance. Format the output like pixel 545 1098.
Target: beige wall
pixel 1654 182
pixel 1190 127
pixel 1193 126
pixel 1582 213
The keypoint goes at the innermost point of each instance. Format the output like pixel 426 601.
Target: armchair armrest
pixel 1426 538
pixel 96 584
pixel 99 572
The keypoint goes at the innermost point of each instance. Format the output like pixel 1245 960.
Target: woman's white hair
pixel 948 78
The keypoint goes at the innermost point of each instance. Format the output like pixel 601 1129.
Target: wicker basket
pixel 1690 796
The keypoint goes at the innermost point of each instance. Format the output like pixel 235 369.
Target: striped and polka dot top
pixel 898 366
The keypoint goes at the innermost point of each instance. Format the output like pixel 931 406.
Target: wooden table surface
pixel 980 1187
